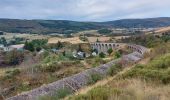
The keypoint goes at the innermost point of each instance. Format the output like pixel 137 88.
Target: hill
pixel 163 30
pixel 67 27
pixel 146 23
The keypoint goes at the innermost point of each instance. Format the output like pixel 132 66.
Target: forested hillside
pixel 67 27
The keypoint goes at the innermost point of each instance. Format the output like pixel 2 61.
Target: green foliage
pixel 29 46
pixel 147 40
pixel 14 57
pixel 109 51
pixel 114 69
pixel 97 40
pixel 11 73
pixel 104 31
pixel 3 41
pixel 117 54
pixel 61 93
pixel 94 77
pixel 158 69
pixel 83 38
pixel 16 40
pixel 35 45
pixel 98 93
pixel 101 55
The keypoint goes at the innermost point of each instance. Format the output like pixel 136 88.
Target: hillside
pixel 67 27
pixel 146 23
pixel 162 30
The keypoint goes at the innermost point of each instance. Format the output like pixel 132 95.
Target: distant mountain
pixel 145 23
pixel 66 27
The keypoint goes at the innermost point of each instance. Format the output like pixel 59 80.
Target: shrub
pixel 94 78
pixel 98 93
pixel 157 70
pixel 11 73
pixel 101 55
pixel 117 54
pixel 61 93
pixel 109 51
pixel 114 69
pixel 51 67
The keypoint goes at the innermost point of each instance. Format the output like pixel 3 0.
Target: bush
pixel 98 93
pixel 13 57
pixel 109 51
pixel 50 67
pixel 11 73
pixel 61 93
pixel 101 55
pixel 94 78
pixel 114 69
pixel 157 70
pixel 117 54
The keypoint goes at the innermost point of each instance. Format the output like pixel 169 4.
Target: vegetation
pixel 104 31
pixel 156 70
pixel 149 41
pixel 59 95
pixel 117 54
pixel 126 90
pixel 101 55
pixel 114 69
pixel 68 27
pixel 94 77
pixel 35 45
pixel 109 51
pixel 13 57
pixel 3 41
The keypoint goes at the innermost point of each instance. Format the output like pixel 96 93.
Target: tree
pixel 38 49
pixel 109 51
pixel 14 57
pixel 29 46
pixel 97 40
pixel 104 31
pixel 64 53
pixel 79 48
pixel 101 54
pixel 117 54
pixel 3 41
pixel 59 44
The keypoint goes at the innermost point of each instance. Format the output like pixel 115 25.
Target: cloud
pixel 83 10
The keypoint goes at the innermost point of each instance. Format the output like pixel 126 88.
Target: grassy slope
pixel 143 82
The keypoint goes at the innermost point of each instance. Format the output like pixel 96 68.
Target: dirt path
pixel 108 79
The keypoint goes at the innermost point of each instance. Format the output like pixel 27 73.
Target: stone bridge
pixel 81 79
pixel 103 47
pixel 137 48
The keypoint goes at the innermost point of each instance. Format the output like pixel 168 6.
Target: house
pixel 94 54
pixel 19 47
pixel 56 50
pixel 81 54
pixel 41 51
pixel 3 48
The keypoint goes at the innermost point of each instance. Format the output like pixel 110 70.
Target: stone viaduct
pixel 103 47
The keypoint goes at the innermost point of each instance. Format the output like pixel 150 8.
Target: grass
pixel 58 95
pixel 157 70
pixel 133 89
pixel 94 77
pixel 114 69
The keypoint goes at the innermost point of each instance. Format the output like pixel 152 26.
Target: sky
pixel 84 10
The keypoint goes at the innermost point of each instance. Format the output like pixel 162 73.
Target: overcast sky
pixel 84 10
